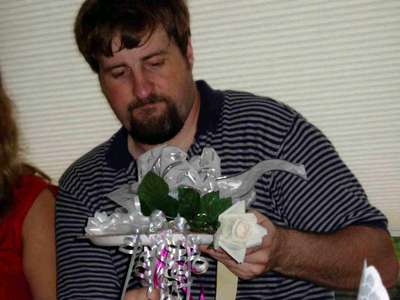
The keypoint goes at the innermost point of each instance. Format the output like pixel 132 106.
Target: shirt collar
pixel 117 155
pixel 211 102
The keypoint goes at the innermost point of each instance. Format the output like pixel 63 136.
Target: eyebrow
pixel 156 53
pixel 109 68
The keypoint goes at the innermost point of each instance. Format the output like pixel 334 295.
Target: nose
pixel 143 86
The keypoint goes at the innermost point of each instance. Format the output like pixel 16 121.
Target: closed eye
pixel 156 62
pixel 118 72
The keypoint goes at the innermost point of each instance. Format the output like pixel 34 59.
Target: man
pixel 319 231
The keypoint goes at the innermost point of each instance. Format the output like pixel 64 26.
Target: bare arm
pixel 39 247
pixel 334 260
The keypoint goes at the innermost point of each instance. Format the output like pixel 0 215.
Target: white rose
pixel 235 229
pixel 238 231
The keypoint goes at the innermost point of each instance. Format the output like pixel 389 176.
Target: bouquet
pixel 176 205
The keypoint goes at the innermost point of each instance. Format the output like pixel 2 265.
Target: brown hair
pixel 11 166
pixel 99 21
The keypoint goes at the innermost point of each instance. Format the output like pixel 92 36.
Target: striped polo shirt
pixel 244 129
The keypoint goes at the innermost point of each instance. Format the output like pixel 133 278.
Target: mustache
pixel 151 99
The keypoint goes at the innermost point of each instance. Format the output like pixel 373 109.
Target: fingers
pixel 252 250
pixel 214 253
pixel 258 257
pixel 243 270
pixel 254 255
pixel 261 219
pixel 207 248
pixel 255 262
pixel 155 295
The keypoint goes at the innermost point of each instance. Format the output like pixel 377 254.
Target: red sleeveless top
pixel 13 284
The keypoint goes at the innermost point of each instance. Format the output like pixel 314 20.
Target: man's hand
pixel 258 259
pixel 332 259
pixel 141 294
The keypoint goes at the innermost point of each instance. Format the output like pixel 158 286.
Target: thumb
pixel 261 219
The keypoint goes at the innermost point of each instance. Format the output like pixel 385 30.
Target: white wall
pixel 337 62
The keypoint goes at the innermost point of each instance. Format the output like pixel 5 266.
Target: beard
pixel 158 128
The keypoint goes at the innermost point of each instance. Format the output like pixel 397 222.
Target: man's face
pixel 150 88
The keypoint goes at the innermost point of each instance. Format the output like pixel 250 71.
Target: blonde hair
pixel 11 165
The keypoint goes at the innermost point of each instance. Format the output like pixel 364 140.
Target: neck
pixel 184 139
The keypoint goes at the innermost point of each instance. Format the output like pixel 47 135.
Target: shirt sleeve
pixel 332 198
pixel 84 271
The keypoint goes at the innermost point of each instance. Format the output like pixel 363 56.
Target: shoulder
pixel 39 246
pixel 250 108
pixel 250 128
pixel 87 165
pixel 28 188
pixel 29 181
pixel 263 117
pixel 42 208
pixel 95 172
pixel 33 197
pixel 245 101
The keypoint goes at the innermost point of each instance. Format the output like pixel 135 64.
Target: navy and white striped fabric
pixel 244 129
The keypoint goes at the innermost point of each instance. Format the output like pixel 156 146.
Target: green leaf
pixel 200 212
pixel 217 207
pixel 211 206
pixel 199 223
pixel 152 190
pixel 206 201
pixel 169 206
pixel 146 207
pixel 189 202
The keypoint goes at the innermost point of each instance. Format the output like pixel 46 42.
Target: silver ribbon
pixel 130 246
pixel 241 186
pixel 168 265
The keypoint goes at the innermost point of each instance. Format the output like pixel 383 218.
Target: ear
pixel 189 53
